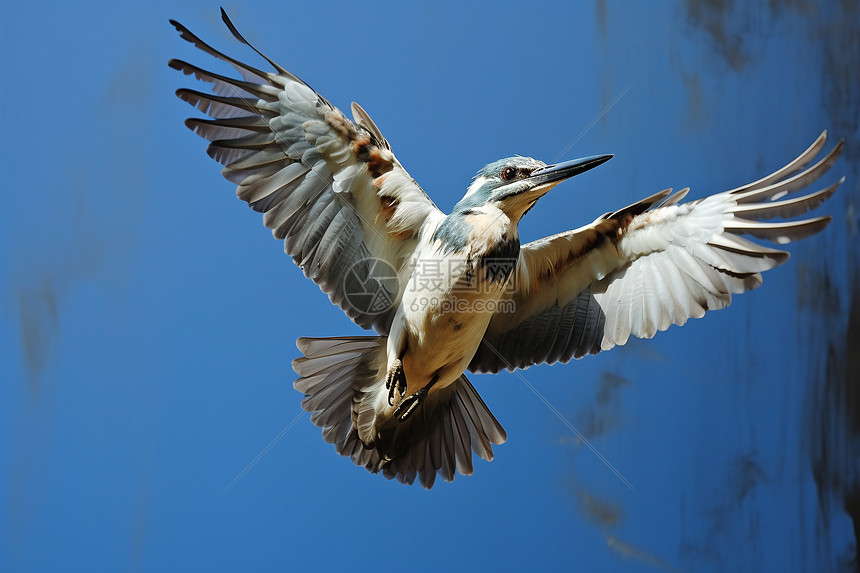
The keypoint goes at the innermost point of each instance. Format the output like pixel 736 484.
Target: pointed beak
pixel 561 171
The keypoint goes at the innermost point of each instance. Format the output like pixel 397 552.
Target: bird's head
pixel 514 185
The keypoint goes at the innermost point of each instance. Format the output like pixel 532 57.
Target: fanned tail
pixel 343 380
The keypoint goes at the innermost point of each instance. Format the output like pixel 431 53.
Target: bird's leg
pixel 409 404
pixel 396 380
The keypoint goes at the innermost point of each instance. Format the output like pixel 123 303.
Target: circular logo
pixel 371 285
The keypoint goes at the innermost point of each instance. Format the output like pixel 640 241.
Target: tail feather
pixel 343 383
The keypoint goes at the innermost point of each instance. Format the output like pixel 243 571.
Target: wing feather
pixel 330 188
pixel 655 263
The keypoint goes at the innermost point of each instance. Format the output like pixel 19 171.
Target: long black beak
pixel 562 171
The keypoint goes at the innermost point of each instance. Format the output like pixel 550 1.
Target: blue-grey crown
pixel 492 179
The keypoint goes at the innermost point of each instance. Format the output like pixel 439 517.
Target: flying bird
pixel 456 292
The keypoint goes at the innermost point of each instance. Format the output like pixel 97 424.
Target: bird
pixel 457 292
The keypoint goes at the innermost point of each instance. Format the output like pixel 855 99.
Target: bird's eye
pixel 509 173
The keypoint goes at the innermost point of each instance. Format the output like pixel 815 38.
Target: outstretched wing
pixel 648 266
pixel 329 187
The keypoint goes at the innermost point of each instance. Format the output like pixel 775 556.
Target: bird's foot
pixel 409 404
pixel 395 381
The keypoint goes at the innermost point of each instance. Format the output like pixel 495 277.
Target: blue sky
pixel 148 320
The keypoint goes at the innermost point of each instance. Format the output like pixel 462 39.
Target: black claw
pixel 395 381
pixel 409 404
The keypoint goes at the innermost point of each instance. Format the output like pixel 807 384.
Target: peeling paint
pixel 602 15
pixel 833 403
pixel 713 16
pixel 604 414
pixel 599 512
pixel 38 321
pixel 629 551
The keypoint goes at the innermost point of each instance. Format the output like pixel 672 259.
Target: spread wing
pixel 328 186
pixel 655 263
